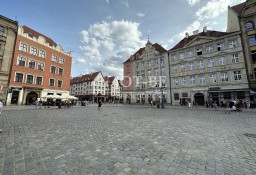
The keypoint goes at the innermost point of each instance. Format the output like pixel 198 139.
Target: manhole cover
pixel 250 135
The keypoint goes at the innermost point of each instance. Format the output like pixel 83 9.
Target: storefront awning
pixel 230 90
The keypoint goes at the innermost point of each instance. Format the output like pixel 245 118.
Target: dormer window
pixel 199 51
pixel 220 46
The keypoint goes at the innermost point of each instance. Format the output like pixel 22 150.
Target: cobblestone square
pixel 127 140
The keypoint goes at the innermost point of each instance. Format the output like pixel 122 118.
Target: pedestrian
pixel 99 104
pixel 40 104
pixel 1 106
pixel 36 103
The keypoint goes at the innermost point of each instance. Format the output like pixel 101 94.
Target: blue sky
pixel 102 34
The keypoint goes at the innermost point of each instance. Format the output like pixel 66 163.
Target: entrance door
pixel 15 97
pixel 31 98
pixel 199 98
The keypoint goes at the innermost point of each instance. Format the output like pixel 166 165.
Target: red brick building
pixel 40 67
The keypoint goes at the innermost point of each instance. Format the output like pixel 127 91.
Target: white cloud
pixel 193 2
pixel 106 45
pixel 140 14
pixel 125 3
pixel 80 60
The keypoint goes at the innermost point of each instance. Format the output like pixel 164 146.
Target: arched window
pixel 249 26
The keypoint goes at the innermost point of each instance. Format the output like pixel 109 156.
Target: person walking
pixel 1 106
pixel 36 103
pixel 99 104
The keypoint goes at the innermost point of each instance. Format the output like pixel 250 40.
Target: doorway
pixel 199 98
pixel 31 98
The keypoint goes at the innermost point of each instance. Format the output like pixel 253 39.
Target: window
pixel 31 64
pixel 235 58
pixel 183 67
pixel 40 66
pixel 161 60
pixel 232 44
pixel 23 47
pixel 1 30
pixel 149 73
pixel 224 76
pixel 30 79
pixel 157 72
pixel 210 62
pixel 175 81
pixel 183 81
pixel 41 53
pixel 53 69
pixel 51 82
pixel 249 26
pixel 253 55
pixel 174 57
pixel 190 53
pixel 212 78
pixel 174 68
pixel 60 71
pixel 202 79
pixel 181 55
pixel 252 40
pixel 54 58
pixel 223 61
pixel 33 50
pixel 237 75
pixel 209 49
pixel 220 46
pixel 61 61
pixel 199 51
pixel 127 68
pixel 149 63
pixel 200 64
pixel 137 65
pixel 176 96
pixel 59 83
pixel 192 80
pixel 18 77
pixel 191 66
pixel 21 61
pixel 39 80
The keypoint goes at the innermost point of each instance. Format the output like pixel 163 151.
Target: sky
pixel 102 34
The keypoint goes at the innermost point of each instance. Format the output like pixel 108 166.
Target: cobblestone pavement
pixel 127 140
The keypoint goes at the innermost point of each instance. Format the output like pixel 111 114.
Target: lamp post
pixel 161 88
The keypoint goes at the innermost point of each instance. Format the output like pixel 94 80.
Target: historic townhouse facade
pixel 8 33
pixel 112 89
pixel 40 68
pixel 242 17
pixel 208 66
pixel 149 75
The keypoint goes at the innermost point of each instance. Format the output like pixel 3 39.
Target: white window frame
pixel 54 58
pixel 235 58
pixel 32 79
pixel 175 81
pixel 202 79
pixel 190 53
pixel 237 75
pixel 42 53
pixel 221 46
pixel 23 47
pixel 50 82
pixel 183 67
pixel 39 64
pixel 232 44
pixel 192 80
pixel 224 76
pixel 33 50
pixel 210 62
pixel 61 60
pixel 16 76
pixel 54 69
pixel 191 66
pixel 41 79
pixel 223 60
pixel 201 64
pixel 181 55
pixel 30 62
pixel 183 81
pixel 212 78
pixel 21 59
pixel 209 49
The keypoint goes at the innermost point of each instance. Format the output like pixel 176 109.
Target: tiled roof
pixel 157 46
pixel 209 33
pixel 84 78
pixel 109 79
pixel 238 8
pixel 33 33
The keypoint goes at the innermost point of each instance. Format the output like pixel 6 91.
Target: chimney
pixel 195 32
pixel 187 34
pixel 205 29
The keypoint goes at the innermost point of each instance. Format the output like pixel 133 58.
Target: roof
pixel 109 79
pixel 209 33
pixel 157 46
pixel 238 8
pixel 84 78
pixel 33 33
